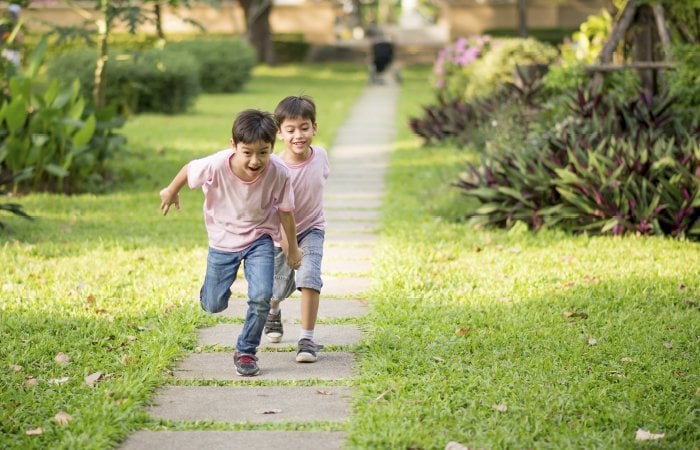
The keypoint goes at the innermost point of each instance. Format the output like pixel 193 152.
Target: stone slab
pixel 348 267
pixel 252 404
pixel 352 215
pixel 225 334
pixel 273 366
pixel 329 308
pixel 352 238
pixel 352 203
pixel 228 440
pixel 337 227
pixel 332 252
pixel 332 286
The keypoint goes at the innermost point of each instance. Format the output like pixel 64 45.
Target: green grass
pixel 461 319
pixel 108 281
pixel 464 320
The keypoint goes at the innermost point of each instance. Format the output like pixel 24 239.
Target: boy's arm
pixel 170 195
pixel 290 234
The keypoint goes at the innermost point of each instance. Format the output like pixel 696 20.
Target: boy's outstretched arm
pixel 170 195
pixel 289 230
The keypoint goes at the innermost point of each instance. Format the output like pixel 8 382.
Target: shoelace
pixel 246 359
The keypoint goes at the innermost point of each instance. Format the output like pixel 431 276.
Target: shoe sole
pixel 274 337
pixel 247 374
pixel 306 357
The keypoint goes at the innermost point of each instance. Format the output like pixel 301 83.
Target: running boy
pixel 296 124
pixel 247 196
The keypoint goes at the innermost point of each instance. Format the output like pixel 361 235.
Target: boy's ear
pixel 315 128
pixel 233 144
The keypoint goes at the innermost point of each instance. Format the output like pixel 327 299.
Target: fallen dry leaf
pixel 90 299
pixel 62 358
pixel 34 432
pixel 322 392
pixel 644 435
pixel 463 331
pixel 31 381
pixel 126 360
pixel 668 345
pixel 501 407
pixel 93 378
pixel 682 287
pixel 626 359
pixel 592 341
pixel 15 368
pixel 271 411
pixel 58 380
pixel 62 418
pixel 591 280
pixel 131 338
pixel 438 359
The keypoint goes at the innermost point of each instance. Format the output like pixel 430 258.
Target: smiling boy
pixel 247 196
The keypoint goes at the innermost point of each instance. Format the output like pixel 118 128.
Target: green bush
pixel 497 66
pixel 552 36
pixel 290 47
pixel 140 81
pixel 225 64
pixel 51 140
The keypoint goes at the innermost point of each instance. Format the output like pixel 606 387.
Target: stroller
pixel 382 61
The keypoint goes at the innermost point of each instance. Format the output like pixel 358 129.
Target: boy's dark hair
pixel 295 106
pixel 253 125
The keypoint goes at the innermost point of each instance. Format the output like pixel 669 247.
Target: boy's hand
pixel 167 198
pixel 294 258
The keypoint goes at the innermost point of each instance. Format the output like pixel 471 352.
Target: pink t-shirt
pixel 308 181
pixel 237 212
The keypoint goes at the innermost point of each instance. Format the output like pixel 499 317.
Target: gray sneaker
pixel 273 327
pixel 307 351
pixel 246 364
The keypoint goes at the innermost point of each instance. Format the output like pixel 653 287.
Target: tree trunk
pixel 644 43
pixel 98 92
pixel 258 32
pixel 159 20
pixel 522 18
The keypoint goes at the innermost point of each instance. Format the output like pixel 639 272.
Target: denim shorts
pixel 308 275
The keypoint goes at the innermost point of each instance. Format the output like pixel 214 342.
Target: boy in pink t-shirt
pixel 247 197
pixel 296 123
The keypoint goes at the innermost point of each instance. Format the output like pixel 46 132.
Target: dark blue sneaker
pixel 307 351
pixel 246 365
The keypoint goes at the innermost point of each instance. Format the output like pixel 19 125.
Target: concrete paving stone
pixel 339 253
pixel 352 215
pixel 252 404
pixel 343 227
pixel 232 440
pixel 332 286
pixel 225 334
pixel 352 266
pixel 273 366
pixel 353 203
pixel 351 195
pixel 353 238
pixel 329 308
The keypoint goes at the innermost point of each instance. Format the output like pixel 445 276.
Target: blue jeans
pixel 259 268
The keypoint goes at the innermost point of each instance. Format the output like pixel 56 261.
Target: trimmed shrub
pixel 552 36
pixel 290 47
pixel 141 81
pixel 225 64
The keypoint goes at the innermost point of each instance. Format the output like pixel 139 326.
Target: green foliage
pixel 290 47
pixel 10 207
pixel 224 64
pixel 498 65
pixel 50 135
pixel 138 81
pixel 613 166
pixel 684 80
pixel 552 36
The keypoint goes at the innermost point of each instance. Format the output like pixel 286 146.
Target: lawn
pixel 490 338
pixel 511 339
pixel 104 284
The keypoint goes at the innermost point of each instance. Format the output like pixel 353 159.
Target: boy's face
pixel 297 134
pixel 250 159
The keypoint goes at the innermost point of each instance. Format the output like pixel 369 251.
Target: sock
pixel 275 310
pixel 306 334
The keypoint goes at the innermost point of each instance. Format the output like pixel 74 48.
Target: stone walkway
pixel 205 387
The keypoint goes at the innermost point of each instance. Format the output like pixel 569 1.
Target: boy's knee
pixel 212 305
